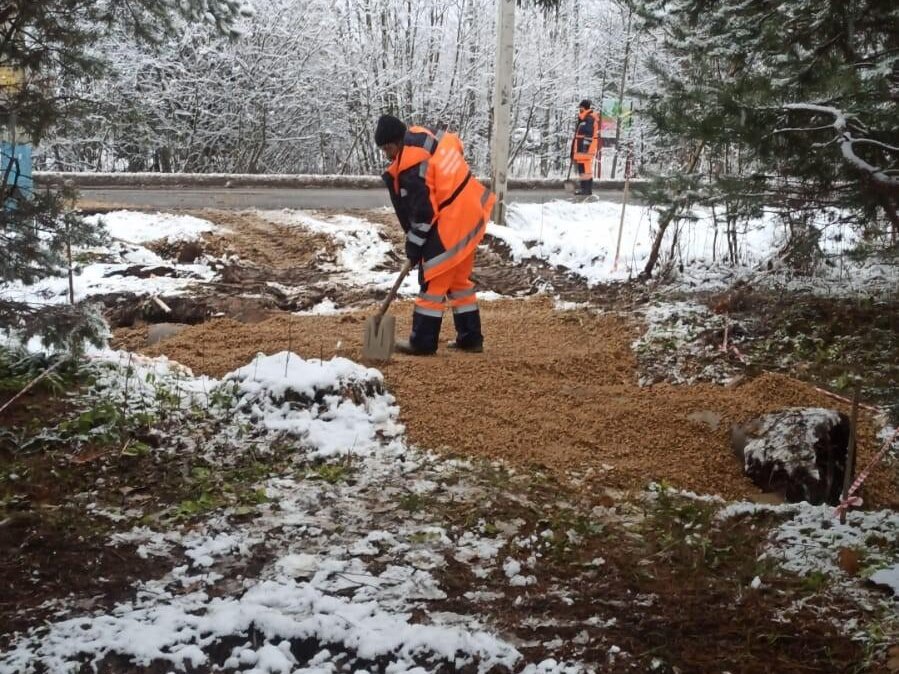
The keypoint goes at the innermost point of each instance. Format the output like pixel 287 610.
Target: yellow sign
pixel 11 77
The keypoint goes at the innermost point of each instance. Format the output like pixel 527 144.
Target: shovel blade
pixel 569 186
pixel 378 338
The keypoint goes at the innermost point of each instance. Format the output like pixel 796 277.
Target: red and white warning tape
pixel 851 499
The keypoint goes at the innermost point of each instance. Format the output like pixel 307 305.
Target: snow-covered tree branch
pixel 847 143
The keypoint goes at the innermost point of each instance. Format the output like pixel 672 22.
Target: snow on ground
pixel 810 538
pixel 110 269
pixel 135 227
pixel 888 577
pixel 327 307
pixel 677 345
pixel 344 572
pixel 336 425
pixel 582 237
pixel 364 254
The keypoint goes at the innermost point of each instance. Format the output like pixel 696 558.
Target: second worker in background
pixel 585 146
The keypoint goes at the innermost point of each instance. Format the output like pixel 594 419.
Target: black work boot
pixel 468 332
pixel 424 336
pixel 586 188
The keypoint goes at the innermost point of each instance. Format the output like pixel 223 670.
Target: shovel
pixel 569 183
pixel 377 338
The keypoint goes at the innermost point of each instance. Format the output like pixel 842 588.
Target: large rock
pixel 799 453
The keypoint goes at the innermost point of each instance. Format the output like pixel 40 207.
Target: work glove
pixel 413 253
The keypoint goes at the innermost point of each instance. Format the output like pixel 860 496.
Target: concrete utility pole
pixel 502 105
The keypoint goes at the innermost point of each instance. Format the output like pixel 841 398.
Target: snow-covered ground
pixel 578 237
pixel 809 539
pixel 675 345
pixel 135 227
pixel 321 540
pixel 363 253
pixel 346 567
pixel 109 269
pixel 583 237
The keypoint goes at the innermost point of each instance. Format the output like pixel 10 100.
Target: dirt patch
pixel 55 548
pixel 261 267
pixel 633 592
pixel 34 408
pixel 54 554
pixel 496 270
pixel 554 389
pixel 557 388
pixel 266 244
pixel 61 501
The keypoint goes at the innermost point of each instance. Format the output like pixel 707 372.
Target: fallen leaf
pixel 606 501
pixel 849 560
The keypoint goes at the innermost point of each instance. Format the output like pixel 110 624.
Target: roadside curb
pixel 297 181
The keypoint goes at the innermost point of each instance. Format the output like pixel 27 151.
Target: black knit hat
pixel 389 130
pixel 586 104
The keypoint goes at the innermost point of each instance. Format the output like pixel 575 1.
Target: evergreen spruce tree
pixel 791 105
pixel 47 45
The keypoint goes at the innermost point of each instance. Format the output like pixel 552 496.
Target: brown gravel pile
pixel 553 389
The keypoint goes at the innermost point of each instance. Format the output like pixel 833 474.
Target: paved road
pixel 264 198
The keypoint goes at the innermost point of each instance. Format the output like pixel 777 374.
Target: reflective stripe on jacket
pixel 442 208
pixel 586 137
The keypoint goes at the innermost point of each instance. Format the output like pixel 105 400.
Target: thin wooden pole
pixel 502 105
pixel 849 473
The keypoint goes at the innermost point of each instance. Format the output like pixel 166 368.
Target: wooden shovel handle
pixel 396 286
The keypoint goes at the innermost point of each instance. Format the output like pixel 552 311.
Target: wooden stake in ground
pixel 627 52
pixel 289 342
pixel 71 273
pixel 849 473
pixel 162 305
pixel 627 184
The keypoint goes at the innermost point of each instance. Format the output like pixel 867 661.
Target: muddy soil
pixel 53 551
pixel 59 507
pixel 631 580
pixel 831 341
pixel 266 244
pixel 553 389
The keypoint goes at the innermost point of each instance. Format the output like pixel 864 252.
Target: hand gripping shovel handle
pixel 392 294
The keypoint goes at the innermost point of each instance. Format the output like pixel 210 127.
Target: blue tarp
pixel 20 172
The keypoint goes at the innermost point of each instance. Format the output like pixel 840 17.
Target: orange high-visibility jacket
pixel 442 208
pixel 586 137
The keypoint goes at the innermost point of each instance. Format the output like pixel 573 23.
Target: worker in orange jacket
pixel 443 210
pixel 585 146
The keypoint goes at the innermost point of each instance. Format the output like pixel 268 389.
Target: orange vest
pixel 593 138
pixel 461 204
